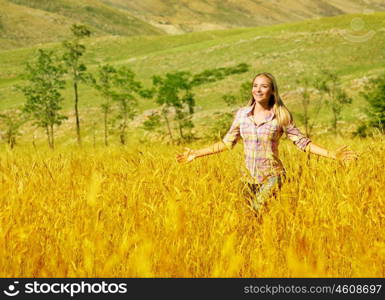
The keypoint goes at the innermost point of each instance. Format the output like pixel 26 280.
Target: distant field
pixel 31 22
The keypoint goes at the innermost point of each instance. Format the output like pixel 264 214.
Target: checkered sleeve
pixel 295 135
pixel 233 135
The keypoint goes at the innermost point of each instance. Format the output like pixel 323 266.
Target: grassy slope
pixel 28 22
pixel 25 26
pixel 289 51
pixel 197 15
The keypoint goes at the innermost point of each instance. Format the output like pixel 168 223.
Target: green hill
pixel 30 22
pixel 197 15
pixel 289 51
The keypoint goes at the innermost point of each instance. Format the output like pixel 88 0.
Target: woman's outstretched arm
pixel 228 142
pixel 190 154
pixel 342 153
pixel 305 144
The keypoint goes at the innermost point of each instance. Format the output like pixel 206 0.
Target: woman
pixel 261 124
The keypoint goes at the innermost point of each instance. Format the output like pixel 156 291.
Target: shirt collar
pixel 249 109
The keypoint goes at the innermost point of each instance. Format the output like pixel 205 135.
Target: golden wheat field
pixel 135 212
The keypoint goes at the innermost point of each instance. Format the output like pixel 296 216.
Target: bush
pixel 375 96
pixel 220 126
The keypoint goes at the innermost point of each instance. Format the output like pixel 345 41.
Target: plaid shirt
pixel 261 143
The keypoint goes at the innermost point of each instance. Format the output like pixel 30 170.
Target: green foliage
pixel 308 105
pixel 241 98
pixel 125 97
pixel 336 98
pixel 221 124
pixel 10 125
pixel 118 86
pixel 74 50
pixel 245 92
pixel 361 131
pixel 374 94
pixel 173 93
pixel 45 80
pixel 216 74
pixel 152 123
pixel 305 101
pixel 230 100
pixel 103 83
pixel 80 31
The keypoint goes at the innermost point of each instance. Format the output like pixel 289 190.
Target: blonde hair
pixel 281 112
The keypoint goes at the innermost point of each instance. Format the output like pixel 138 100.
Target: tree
pixel 307 104
pixel 243 96
pixel 220 126
pixel 103 83
pixel 153 123
pixel 127 89
pixel 11 122
pixel 336 98
pixel 223 120
pixel 42 92
pixel 173 94
pixel 375 97
pixel 74 50
pixel 119 90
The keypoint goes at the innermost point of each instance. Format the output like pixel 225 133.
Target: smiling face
pixel 262 89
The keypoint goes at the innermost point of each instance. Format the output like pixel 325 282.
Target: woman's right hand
pixel 187 156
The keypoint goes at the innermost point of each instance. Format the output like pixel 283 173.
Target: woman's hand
pixel 187 156
pixel 343 154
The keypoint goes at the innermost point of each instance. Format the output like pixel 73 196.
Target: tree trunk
pixel 306 120
pixel 77 113
pixel 123 134
pixel 335 118
pixel 168 127
pixel 305 104
pixel 52 137
pixel 33 141
pixel 105 128
pixel 181 131
pixel 94 134
pixel 11 140
pixel 48 136
pixel 122 138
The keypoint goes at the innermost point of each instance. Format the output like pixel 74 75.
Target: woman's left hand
pixel 343 154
